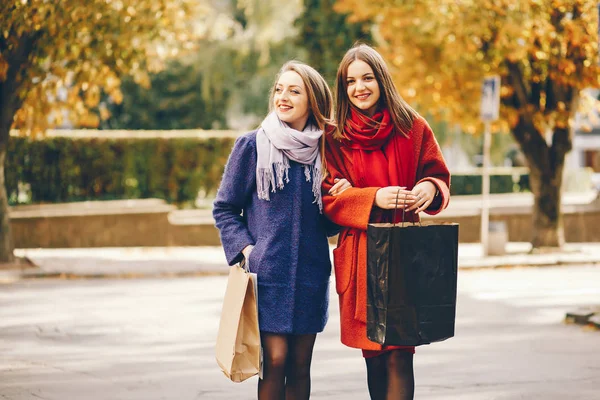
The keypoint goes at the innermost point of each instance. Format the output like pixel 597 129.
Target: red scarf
pixel 381 156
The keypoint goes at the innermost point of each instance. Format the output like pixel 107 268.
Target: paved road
pixel 153 339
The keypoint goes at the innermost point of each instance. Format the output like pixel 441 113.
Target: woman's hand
pixel 424 192
pixel 391 197
pixel 339 186
pixel 247 250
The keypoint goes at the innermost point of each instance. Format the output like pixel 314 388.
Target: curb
pixel 10 276
pixel 528 264
pixel 174 262
pixel 7 277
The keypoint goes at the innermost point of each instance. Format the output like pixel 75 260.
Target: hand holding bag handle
pixel 403 211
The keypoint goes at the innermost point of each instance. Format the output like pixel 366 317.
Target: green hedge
pixel 175 169
pixel 501 183
pixel 65 169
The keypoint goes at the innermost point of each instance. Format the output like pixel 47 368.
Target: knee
pixel 400 361
pixel 275 360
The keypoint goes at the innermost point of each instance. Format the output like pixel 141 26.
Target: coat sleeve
pixel 351 208
pixel 432 167
pixel 237 186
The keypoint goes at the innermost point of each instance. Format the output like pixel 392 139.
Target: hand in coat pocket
pixel 247 250
pixel 246 253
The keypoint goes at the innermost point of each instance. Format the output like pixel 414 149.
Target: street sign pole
pixel 490 109
pixel 485 189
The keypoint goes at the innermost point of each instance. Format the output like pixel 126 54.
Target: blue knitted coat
pixel 291 252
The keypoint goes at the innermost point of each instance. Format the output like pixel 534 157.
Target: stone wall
pixel 152 222
pixel 124 223
pixel 581 216
pixel 579 226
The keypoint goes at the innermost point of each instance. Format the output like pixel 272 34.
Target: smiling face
pixel 362 87
pixel 290 100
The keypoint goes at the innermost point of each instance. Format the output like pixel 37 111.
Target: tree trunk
pixel 6 239
pixel 546 161
pixel 548 230
pixel 546 164
pixel 11 100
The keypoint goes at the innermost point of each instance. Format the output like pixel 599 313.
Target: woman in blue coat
pixel 269 211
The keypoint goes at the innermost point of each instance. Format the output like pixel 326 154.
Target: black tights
pixel 286 360
pixel 390 376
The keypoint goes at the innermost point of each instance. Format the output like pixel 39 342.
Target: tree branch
pixel 562 135
pixel 561 144
pixel 516 78
pixel 551 101
pixel 532 143
pixel 537 84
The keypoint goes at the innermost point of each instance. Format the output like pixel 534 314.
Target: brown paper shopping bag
pixel 238 348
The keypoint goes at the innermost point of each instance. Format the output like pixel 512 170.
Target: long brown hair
pixel 320 99
pixel 402 114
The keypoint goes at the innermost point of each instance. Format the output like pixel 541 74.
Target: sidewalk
pixel 137 262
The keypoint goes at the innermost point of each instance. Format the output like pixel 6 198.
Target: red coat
pixel 352 209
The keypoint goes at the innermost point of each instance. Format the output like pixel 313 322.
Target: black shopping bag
pixel 411 282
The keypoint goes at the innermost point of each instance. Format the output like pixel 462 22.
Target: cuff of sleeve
pixel 234 253
pixel 440 201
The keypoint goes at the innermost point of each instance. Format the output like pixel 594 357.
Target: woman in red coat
pixel 386 150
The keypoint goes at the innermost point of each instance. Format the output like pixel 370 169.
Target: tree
pixel 226 83
pixel 326 35
pixel 544 50
pixel 174 100
pixel 57 56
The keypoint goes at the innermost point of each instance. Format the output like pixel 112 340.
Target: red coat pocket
pixel 344 263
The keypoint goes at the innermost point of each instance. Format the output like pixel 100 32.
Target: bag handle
pixel 403 211
pixel 244 265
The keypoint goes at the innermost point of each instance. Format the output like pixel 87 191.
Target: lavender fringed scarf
pixel 276 145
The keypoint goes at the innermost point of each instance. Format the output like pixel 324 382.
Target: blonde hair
pixel 402 114
pixel 320 99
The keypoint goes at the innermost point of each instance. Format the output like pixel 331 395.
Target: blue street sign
pixel 490 99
